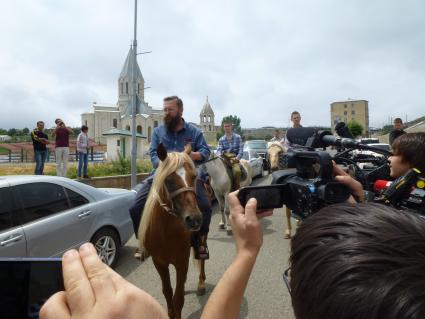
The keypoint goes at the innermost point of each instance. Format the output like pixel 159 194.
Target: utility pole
pixel 134 104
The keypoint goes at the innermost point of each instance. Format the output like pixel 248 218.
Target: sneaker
pixel 86 176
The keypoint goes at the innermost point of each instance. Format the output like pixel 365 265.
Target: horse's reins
pixel 166 207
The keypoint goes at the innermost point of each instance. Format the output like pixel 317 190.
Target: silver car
pixel 255 161
pixel 44 216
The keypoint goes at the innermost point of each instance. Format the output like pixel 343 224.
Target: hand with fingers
pixel 93 290
pixel 356 187
pixel 246 224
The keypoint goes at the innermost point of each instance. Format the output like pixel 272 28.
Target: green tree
pixel 355 128
pixel 236 121
pixel 26 130
pixel 12 132
pixel 3 131
pixel 386 129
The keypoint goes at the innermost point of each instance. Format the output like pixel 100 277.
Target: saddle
pixel 235 170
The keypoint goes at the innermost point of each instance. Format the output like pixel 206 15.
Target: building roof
pixel 116 131
pixel 206 109
pixel 128 66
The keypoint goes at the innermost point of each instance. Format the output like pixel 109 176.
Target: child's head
pixel 409 152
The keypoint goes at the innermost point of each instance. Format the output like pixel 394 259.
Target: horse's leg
pixel 288 223
pixel 222 223
pixel 181 274
pixel 167 290
pixel 202 276
pixel 226 215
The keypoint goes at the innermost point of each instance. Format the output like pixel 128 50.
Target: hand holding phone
pixel 26 283
pixel 267 196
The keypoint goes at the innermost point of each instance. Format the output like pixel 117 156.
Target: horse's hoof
pixel 287 236
pixel 221 225
pixel 200 291
pixel 229 231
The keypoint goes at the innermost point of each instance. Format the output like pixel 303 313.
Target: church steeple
pixel 125 86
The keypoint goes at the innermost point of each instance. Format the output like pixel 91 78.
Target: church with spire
pixel 206 123
pixel 111 123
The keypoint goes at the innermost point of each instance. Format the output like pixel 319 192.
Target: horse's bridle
pixel 166 207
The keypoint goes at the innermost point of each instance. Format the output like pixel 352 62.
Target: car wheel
pixel 106 242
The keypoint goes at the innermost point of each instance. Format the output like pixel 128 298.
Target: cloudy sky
pixel 258 60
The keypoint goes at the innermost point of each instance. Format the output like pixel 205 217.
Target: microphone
pixel 380 185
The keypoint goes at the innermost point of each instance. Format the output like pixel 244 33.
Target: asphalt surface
pixel 266 295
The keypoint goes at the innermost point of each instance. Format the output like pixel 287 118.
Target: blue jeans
pixel 82 159
pixel 40 158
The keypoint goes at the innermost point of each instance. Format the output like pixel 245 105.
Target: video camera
pixel 308 184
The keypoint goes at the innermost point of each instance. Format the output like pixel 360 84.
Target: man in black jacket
pixel 397 131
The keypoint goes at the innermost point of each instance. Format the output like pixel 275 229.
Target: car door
pixel 53 222
pixel 12 238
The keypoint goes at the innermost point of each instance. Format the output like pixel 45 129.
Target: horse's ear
pixel 188 148
pixel 161 151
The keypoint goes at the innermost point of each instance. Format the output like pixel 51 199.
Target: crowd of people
pixel 348 260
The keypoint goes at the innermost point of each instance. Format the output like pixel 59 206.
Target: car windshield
pixel 256 144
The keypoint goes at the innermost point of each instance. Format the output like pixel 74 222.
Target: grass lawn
pixel 4 151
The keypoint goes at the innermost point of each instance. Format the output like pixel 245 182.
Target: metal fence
pixel 28 157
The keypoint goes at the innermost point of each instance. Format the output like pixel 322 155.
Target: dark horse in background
pixel 170 215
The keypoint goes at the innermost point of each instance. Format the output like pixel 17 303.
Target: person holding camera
pixel 61 134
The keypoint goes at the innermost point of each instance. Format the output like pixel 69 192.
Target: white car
pixel 255 161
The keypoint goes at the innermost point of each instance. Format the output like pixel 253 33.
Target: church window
pixel 209 128
pixel 155 124
pixel 149 134
pixel 114 122
pixel 127 127
pixel 126 87
pixel 118 143
pixel 138 88
pixel 205 118
pixel 122 88
pixel 209 119
pixel 139 129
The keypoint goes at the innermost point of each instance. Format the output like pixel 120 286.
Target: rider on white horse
pixel 230 146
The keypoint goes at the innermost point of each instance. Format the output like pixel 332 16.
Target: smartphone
pixel 268 196
pixel 26 283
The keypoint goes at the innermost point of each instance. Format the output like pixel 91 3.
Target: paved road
pixel 266 295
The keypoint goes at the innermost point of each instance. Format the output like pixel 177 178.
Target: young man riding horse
pixel 230 147
pixel 174 135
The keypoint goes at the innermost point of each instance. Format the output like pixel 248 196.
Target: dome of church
pixel 206 109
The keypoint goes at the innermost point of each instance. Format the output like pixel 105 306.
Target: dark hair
pixel 363 261
pixel 174 97
pixel 295 113
pixel 84 128
pixel 38 122
pixel 411 148
pixel 398 120
pixel 57 121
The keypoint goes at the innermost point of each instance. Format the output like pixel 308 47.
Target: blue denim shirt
pixel 176 141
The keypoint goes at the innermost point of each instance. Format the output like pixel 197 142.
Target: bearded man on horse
pixel 174 134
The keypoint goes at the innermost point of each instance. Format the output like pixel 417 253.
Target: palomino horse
pixel 171 213
pixel 275 150
pixel 222 185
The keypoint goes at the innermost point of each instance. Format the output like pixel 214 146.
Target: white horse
pixel 221 184
pixel 274 151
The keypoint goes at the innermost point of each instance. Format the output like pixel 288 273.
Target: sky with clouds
pixel 258 60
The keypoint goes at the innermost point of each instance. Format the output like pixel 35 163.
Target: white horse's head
pixel 274 151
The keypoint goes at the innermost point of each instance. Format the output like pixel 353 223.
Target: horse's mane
pixel 172 162
pixel 278 145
